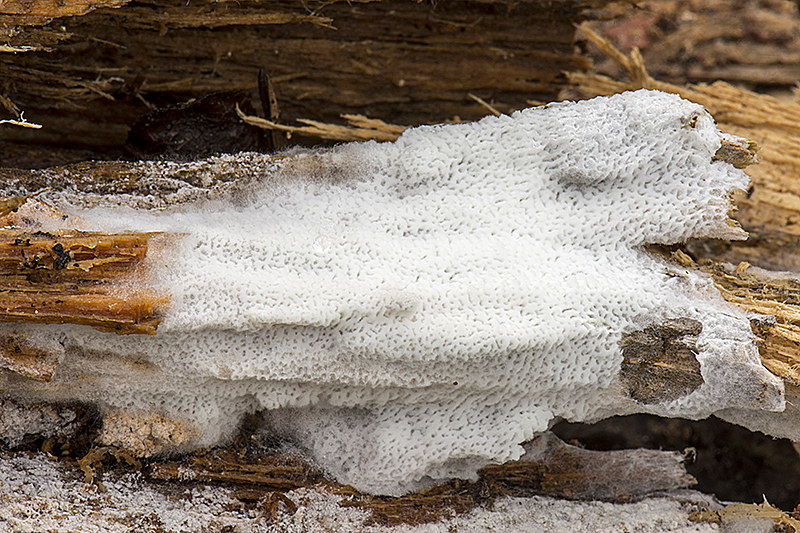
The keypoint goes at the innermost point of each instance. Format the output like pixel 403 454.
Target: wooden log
pixel 87 80
pixel 754 44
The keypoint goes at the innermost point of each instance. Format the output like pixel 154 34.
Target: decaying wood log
pixel 554 468
pixel 87 79
pixel 75 277
pixel 748 42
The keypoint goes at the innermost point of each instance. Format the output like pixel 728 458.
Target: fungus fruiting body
pixel 413 311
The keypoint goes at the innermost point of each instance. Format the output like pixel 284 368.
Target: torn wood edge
pixel 77 277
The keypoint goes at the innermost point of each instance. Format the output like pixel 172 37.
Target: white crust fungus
pixel 412 311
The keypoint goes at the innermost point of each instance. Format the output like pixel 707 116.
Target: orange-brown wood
pixel 76 277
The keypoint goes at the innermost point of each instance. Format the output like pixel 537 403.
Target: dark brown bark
pixel 401 61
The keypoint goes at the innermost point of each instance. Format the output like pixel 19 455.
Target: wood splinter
pixel 76 277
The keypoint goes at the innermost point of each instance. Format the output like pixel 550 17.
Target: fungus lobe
pixel 414 311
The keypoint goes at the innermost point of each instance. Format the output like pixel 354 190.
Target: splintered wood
pixel 553 468
pixel 75 277
pixel 400 62
pixel 780 300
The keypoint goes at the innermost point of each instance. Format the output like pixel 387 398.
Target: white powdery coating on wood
pixel 38 496
pixel 446 298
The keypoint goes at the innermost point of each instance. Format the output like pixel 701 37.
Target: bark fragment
pixel 660 361
pixel 554 468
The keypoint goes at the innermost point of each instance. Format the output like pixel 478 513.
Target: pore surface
pixel 413 311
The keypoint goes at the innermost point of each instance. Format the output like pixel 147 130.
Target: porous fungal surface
pixel 410 312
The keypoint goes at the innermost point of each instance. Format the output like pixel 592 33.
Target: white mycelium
pixel 416 310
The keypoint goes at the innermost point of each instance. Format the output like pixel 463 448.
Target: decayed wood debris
pixel 659 362
pixel 67 276
pixel 749 42
pixel 274 472
pixel 87 79
pixel 359 128
pixel 552 468
pixel 776 297
pixel 75 277
pixel 748 510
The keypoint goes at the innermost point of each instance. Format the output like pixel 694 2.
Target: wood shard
pixel 274 472
pixel 550 467
pixel 53 8
pixel 748 510
pixel 76 277
pixel 775 296
pixel 660 361
pixel 737 151
pixel 554 468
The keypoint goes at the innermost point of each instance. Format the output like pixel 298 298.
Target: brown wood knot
pixel 660 361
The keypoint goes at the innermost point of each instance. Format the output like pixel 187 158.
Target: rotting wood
pixel 555 469
pixel 660 361
pixel 748 510
pixel 75 277
pixel 776 297
pixel 26 12
pixel 277 472
pixel 359 128
pixel 397 61
pixel 20 355
pixel 91 463
pixel 747 42
pixel 772 294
